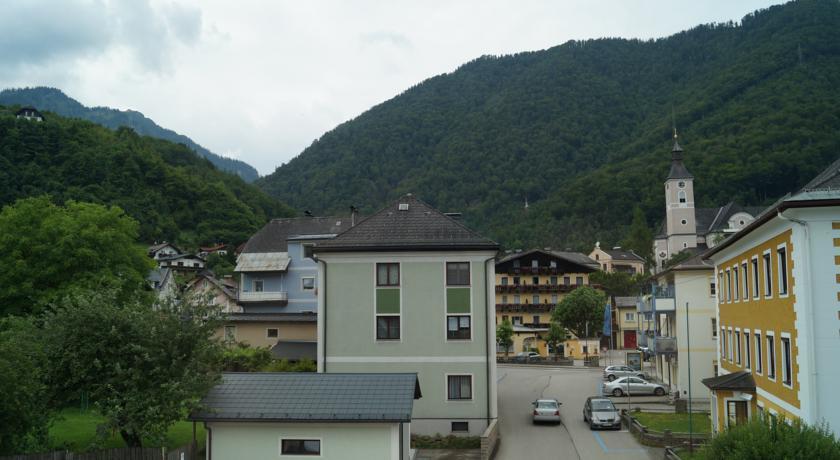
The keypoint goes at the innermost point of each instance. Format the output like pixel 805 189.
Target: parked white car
pixel 633 386
pixel 613 372
pixel 546 410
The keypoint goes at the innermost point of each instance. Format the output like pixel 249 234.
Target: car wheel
pixel 618 392
pixel 641 376
pixel 610 377
pixel 591 426
pixel 659 391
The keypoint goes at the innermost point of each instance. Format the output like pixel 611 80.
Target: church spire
pixel 678 169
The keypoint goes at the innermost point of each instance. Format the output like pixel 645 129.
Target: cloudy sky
pixel 260 80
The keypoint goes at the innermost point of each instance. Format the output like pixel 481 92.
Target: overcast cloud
pixel 260 81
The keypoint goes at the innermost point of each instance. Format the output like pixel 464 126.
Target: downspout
pixel 812 397
pixel 402 447
pixel 322 317
pixel 488 332
pixel 209 441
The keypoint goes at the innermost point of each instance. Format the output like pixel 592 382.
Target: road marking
pixel 500 378
pixel 611 451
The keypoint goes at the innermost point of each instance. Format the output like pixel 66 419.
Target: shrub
pixel 445 442
pixel 244 358
pixel 763 439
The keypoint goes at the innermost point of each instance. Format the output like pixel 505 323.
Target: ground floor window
pixel 271 333
pixel 459 387
pixel 736 412
pixel 387 328
pixel 300 447
pixel 458 327
pixel 230 333
pixel 460 427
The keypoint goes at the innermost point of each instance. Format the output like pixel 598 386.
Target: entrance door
pixel 630 339
pixel 736 412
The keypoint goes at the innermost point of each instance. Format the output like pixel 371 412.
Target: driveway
pixel 520 385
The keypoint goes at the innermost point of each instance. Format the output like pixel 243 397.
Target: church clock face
pixel 662 254
pixel 681 184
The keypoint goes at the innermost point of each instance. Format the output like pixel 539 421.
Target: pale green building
pixel 410 289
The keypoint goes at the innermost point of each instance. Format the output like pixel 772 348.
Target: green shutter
pixel 388 301
pixel 458 300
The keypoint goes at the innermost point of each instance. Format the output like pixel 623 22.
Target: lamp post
pixel 688 359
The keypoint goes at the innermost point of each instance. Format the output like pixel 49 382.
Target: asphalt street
pixel 572 439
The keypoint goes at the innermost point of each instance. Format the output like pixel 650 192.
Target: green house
pixel 411 289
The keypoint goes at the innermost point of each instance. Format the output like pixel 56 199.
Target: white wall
pixel 693 287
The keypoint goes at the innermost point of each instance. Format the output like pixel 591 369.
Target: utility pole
pixel 688 357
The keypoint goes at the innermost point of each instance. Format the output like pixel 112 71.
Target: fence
pixel 125 453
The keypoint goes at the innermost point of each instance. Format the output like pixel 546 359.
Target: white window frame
pixel 254 285
pixel 303 247
pixel 728 281
pixel 759 356
pixel 446 387
pixel 629 316
pixel 722 340
pixel 755 274
pixel 738 352
pixel 771 355
pixel 783 337
pixel 300 438
pixel 782 273
pixel 736 278
pixel 446 313
pixel 720 287
pixel 730 348
pixel 767 265
pixel 712 287
pixel 747 338
pixel 304 288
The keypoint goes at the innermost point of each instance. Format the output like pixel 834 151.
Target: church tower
pixel 680 220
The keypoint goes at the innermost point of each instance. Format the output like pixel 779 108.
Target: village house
pixel 617 260
pixel 29 113
pixel 221 292
pixel 529 285
pixel 778 311
pixel 410 289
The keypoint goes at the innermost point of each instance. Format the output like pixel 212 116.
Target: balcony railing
pixel 524 307
pixel 528 288
pixel 264 296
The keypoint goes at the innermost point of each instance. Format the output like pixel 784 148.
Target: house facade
pixel 277 285
pixel 617 260
pixel 627 322
pixel 687 227
pixel 529 285
pixel 778 311
pixel 410 289
pixel 303 415
pixel 159 251
pixel 218 291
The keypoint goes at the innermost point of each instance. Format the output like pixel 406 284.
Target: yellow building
pixel 779 311
pixel 626 318
pixel 528 287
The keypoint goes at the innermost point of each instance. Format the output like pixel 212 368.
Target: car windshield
pixel 600 405
pixel 546 405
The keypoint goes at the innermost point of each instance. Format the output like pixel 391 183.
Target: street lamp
pixel 688 358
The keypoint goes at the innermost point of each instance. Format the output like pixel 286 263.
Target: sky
pixel 261 80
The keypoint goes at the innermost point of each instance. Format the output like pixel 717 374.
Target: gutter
pixel 812 396
pixel 209 441
pixel 488 332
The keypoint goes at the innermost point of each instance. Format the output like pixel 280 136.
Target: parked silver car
pixel 613 372
pixel 633 385
pixel 527 357
pixel 546 410
pixel 599 412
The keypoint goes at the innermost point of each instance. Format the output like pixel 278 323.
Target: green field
pixel 677 423
pixel 76 431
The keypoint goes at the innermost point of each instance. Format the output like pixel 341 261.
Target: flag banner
pixel 608 320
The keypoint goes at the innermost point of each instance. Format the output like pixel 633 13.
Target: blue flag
pixel 608 320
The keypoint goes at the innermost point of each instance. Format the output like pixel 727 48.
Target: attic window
pixel 403 207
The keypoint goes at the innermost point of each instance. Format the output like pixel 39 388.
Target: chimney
pixel 353 212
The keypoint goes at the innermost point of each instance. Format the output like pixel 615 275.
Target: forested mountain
pixel 174 194
pixel 583 131
pixel 55 100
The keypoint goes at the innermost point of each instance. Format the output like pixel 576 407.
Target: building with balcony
pixel 277 279
pixel 778 311
pixel 529 285
pixel 618 260
pixel 686 227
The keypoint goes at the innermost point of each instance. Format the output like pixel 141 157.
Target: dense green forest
pixel 173 193
pixel 583 130
pixel 55 100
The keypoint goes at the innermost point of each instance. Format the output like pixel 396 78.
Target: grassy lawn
pixel 76 431
pixel 677 423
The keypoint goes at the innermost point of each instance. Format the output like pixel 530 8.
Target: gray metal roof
pixel 620 254
pixel 625 301
pixel 310 397
pixel 576 258
pixel 407 224
pixel 262 262
pixel 272 317
pixel 274 235
pixel 737 381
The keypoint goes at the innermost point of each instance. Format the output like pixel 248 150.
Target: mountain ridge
pixel 55 100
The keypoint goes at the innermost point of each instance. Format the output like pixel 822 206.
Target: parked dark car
pixel 600 412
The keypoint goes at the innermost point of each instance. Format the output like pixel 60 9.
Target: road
pixel 520 385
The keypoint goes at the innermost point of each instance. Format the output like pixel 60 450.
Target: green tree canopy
pixel 582 306
pixel 767 438
pixel 24 396
pixel 618 283
pixel 556 335
pixel 639 238
pixel 143 367
pixel 504 335
pixel 47 251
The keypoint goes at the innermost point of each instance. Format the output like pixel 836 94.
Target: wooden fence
pixel 126 453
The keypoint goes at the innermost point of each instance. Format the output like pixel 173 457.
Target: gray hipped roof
pixel 310 397
pixel 678 169
pixel 736 381
pixel 407 224
pixel 273 236
pixel 621 254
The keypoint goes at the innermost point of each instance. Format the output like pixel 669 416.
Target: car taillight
pixel 535 412
pixel 557 412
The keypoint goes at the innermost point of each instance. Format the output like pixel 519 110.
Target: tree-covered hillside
pixel 55 100
pixel 174 194
pixel 583 130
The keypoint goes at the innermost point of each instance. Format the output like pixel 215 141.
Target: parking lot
pixel 572 439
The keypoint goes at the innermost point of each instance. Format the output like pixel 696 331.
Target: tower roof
pixel 678 169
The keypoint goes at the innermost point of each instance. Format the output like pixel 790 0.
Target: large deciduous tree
pixel 47 251
pixel 582 306
pixel 504 335
pixel 142 367
pixel 24 400
pixel 556 335
pixel 619 283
